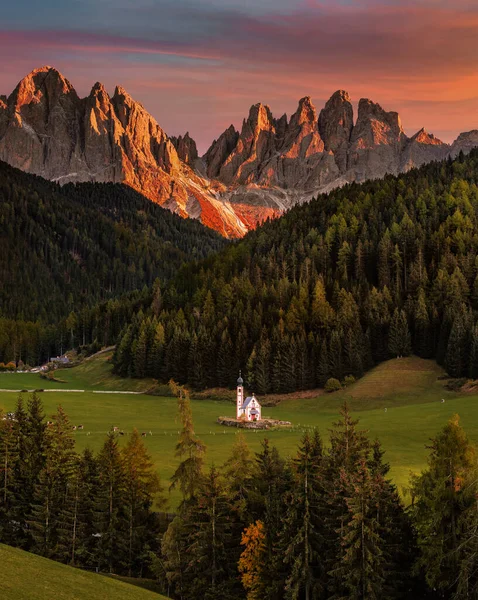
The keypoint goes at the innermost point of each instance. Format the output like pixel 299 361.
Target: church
pixel 248 409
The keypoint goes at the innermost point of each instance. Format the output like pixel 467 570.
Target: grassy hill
pixel 408 388
pixel 25 576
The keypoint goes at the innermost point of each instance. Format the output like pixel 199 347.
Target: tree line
pixel 325 523
pixel 363 274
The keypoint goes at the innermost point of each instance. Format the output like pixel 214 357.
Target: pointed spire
pixel 240 381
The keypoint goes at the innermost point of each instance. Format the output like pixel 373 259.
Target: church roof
pixel 248 400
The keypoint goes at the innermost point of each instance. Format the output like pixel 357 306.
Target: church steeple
pixel 239 396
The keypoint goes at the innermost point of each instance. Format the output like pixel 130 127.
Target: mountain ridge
pixel 243 178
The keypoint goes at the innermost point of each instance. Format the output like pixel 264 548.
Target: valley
pixel 408 388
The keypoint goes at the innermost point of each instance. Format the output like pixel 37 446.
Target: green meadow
pixel 25 576
pixel 399 402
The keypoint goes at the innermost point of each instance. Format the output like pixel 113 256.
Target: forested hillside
pixel 370 271
pixel 64 249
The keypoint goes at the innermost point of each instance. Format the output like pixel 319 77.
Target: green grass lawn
pixel 92 374
pixel 25 576
pixel 407 388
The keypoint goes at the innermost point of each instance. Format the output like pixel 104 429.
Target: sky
pixel 199 65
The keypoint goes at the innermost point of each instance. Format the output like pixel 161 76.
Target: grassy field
pixel 24 576
pixel 92 374
pixel 407 388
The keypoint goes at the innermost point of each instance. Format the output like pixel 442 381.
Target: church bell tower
pixel 240 396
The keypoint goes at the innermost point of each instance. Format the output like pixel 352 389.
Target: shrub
pixel 349 379
pixel 11 366
pixel 332 385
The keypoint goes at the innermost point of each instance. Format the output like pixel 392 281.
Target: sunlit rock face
pixel 46 129
pixel 245 176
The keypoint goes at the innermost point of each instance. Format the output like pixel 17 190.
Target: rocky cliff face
pixel 244 177
pixel 465 142
pixel 336 121
pixel 46 129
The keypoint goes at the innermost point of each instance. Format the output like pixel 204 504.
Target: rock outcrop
pixel 186 149
pixel 422 148
pixel 244 177
pixel 336 121
pixel 376 143
pixel 465 142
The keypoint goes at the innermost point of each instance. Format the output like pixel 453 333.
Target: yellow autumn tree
pixel 251 561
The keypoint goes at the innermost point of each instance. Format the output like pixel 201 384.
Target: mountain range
pixel 244 177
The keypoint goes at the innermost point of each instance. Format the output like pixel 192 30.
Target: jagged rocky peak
pixel 186 148
pixel 260 118
pixel 3 101
pixel 336 121
pixel 99 99
pixel 302 138
pixel 255 145
pixel 465 142
pixel 421 148
pixel 42 87
pixel 219 151
pixel 423 137
pixel 376 126
pixel 376 143
pixel 305 112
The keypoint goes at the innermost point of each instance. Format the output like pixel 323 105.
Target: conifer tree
pixel 110 506
pixel 142 487
pixel 457 356
pixel 302 535
pixel 238 476
pixel 251 563
pixel 8 461
pixel 399 343
pixel 270 485
pixel 76 528
pixel 212 569
pixel 52 488
pixel 358 573
pixel 441 496
pixel 189 449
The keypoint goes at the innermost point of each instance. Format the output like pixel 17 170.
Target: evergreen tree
pixel 441 496
pixel 110 508
pixel 189 449
pixel 142 487
pixel 399 335
pixel 302 535
pixel 52 488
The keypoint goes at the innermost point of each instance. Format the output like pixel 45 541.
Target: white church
pixel 248 409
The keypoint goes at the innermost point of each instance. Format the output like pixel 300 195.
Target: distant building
pixel 248 409
pixel 64 360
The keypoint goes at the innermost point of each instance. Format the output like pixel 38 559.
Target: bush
pixel 349 379
pixel 11 366
pixel 455 385
pixel 332 385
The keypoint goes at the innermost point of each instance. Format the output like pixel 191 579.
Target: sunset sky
pixel 198 66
